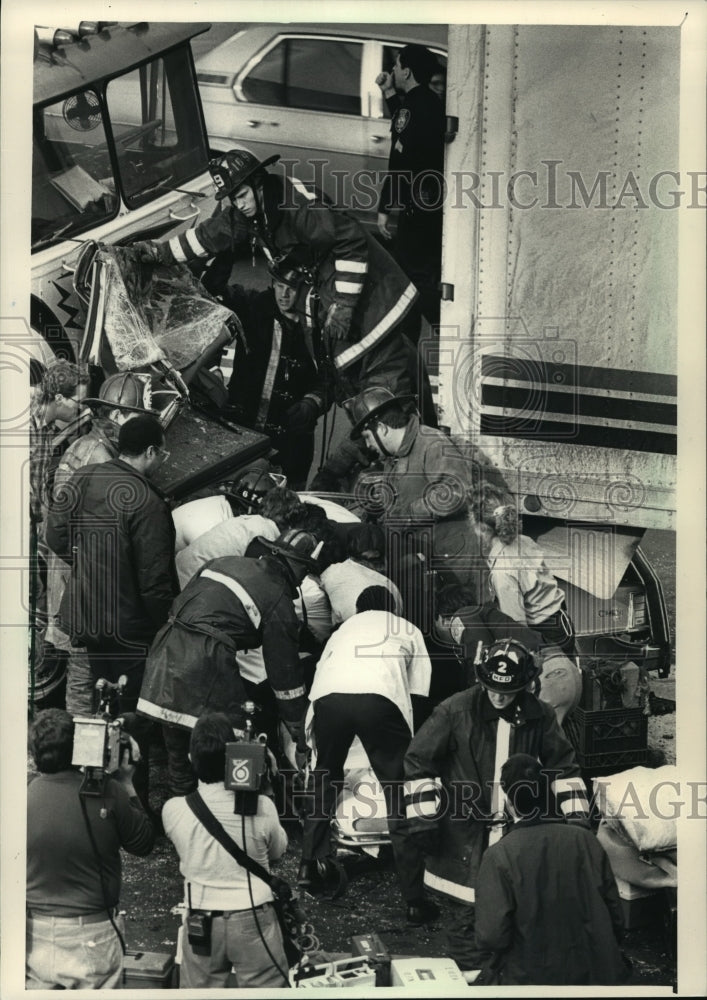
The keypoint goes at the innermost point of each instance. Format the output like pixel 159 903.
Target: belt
pixel 228 913
pixel 86 918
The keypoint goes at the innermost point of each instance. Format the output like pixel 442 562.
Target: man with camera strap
pixel 231 929
pixel 74 840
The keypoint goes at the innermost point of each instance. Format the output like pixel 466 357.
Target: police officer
pixel 414 183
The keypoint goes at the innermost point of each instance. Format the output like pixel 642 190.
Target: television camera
pixel 248 765
pixel 100 741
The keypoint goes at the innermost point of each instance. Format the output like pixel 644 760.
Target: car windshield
pixel 73 187
pixel 140 137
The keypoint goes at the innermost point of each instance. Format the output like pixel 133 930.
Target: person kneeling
pixel 234 911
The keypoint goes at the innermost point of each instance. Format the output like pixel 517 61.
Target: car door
pixel 300 96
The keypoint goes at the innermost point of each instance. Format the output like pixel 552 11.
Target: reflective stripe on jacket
pixel 353 269
pixel 234 602
pixel 458 745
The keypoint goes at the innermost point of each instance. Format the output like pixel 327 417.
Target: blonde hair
pixel 496 509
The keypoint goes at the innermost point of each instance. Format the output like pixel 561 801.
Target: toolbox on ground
pixel 426 973
pixel 147 970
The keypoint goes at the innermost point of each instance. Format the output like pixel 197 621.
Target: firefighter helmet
pixel 507 666
pixel 129 391
pixel 365 407
pixel 252 486
pixel 234 168
pixel 298 548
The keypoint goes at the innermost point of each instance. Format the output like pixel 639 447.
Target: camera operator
pixel 231 922
pixel 73 863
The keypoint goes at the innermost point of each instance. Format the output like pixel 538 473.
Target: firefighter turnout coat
pixel 426 484
pixel 274 365
pixel 352 268
pixel 232 603
pixel 452 770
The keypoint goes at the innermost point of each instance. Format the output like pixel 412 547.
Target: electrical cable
pixel 101 873
pixel 272 958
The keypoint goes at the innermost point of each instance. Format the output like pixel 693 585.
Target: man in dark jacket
pixel 414 181
pixel 547 907
pixel 362 293
pixel 455 804
pixel 276 387
pixel 120 397
pixel 116 532
pixel 232 603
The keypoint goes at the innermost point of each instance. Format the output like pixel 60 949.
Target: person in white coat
pixel 370 670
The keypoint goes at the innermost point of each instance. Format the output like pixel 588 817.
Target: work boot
pixel 422 911
pixel 322 874
pixel 660 706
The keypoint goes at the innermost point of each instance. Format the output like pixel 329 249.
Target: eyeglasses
pixel 163 454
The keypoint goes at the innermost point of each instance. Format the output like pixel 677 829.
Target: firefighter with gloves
pixel 233 603
pixel 362 293
pixel 454 799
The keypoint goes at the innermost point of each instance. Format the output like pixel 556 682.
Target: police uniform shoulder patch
pixel 402 120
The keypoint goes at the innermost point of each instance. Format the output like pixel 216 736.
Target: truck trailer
pixel 557 354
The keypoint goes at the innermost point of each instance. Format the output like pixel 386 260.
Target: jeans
pixel 79 683
pixel 237 944
pixel 65 953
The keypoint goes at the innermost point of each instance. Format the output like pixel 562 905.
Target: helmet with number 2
pixel 507 667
